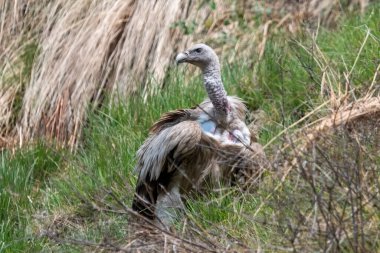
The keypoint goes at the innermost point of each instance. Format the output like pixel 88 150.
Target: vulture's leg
pixel 169 205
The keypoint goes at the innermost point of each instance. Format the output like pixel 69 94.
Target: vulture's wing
pixel 174 137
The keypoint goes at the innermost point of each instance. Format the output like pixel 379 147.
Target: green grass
pixel 22 176
pixel 42 186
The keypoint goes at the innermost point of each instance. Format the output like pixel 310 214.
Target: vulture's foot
pixel 169 207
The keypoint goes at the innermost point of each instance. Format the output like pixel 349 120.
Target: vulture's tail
pixel 145 200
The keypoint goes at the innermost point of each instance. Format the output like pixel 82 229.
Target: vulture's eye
pixel 198 50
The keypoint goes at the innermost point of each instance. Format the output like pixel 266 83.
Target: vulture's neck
pixel 215 90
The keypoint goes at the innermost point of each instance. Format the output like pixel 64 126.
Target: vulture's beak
pixel 182 57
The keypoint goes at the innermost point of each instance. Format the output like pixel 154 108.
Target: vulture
pixel 189 149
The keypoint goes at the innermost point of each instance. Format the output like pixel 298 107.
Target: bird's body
pixel 186 148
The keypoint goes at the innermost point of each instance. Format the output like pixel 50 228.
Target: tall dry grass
pixel 89 47
pixel 85 48
pixel 20 21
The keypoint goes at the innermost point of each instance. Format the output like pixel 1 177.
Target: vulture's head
pixel 199 55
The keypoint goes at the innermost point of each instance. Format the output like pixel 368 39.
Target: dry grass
pixel 6 100
pixel 86 47
pixel 335 181
pixel 89 47
pixel 17 28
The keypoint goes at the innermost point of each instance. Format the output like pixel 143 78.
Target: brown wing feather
pixel 170 142
pixel 170 119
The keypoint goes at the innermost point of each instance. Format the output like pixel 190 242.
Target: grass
pixel 45 188
pixel 23 176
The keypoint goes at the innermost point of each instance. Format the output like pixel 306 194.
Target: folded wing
pixel 173 139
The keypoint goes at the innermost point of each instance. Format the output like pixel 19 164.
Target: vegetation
pixel 321 192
